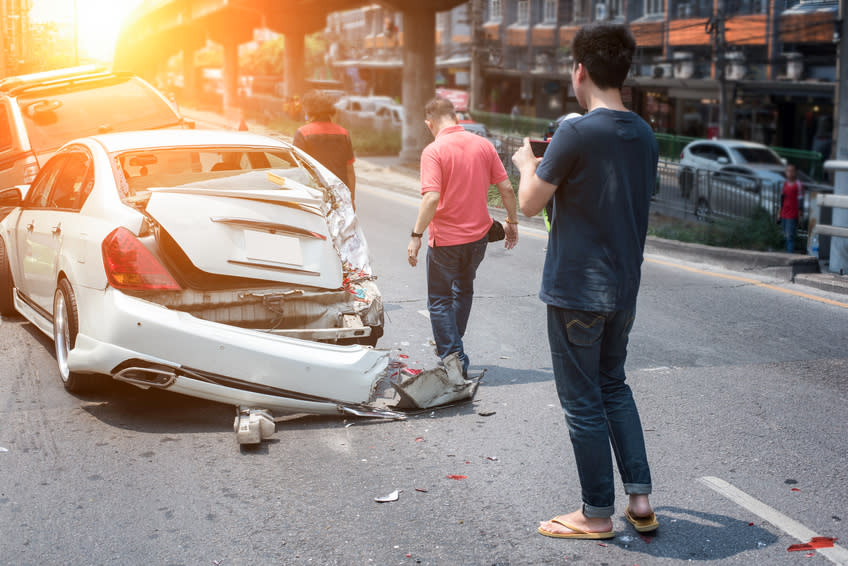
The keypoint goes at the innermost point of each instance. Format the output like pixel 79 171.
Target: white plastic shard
pixel 393 496
pixel 434 387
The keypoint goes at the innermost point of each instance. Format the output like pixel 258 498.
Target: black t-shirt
pixel 604 165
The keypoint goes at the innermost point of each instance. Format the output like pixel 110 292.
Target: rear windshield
pixel 758 155
pixel 229 168
pixel 57 116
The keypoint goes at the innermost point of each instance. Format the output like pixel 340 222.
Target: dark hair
pixel 606 51
pixel 318 105
pixel 439 107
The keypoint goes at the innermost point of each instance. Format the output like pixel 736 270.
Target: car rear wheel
pixel 65 328
pixel 7 300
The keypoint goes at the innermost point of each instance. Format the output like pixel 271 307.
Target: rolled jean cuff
pixel 637 488
pixel 598 512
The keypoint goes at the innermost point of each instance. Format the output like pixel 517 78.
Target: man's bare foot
pixel 640 506
pixel 579 520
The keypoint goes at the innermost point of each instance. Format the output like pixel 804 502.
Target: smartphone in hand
pixel 539 147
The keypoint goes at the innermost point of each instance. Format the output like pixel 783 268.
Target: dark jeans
pixel 450 289
pixel 588 350
pixel 789 226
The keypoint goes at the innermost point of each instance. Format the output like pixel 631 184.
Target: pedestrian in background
pixel 600 169
pixel 457 169
pixel 791 206
pixel 326 141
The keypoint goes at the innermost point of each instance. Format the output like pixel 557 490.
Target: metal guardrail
pixel 832 201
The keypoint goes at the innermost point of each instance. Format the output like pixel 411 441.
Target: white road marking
pixel 425 313
pixel 837 554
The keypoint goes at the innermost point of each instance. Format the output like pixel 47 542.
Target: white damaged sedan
pixel 222 265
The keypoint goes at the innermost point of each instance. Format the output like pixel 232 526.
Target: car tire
pixel 7 286
pixel 702 210
pixel 687 179
pixel 65 328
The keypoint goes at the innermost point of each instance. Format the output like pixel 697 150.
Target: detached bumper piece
pixel 434 387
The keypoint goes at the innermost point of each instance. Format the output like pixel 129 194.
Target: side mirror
pixel 11 197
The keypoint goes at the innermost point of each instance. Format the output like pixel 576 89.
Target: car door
pixel 58 194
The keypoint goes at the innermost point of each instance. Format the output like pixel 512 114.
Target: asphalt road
pixel 738 378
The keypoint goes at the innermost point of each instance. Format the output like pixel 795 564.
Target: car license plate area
pixel 272 248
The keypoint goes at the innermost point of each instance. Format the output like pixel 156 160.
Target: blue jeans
pixel 588 350
pixel 789 225
pixel 450 290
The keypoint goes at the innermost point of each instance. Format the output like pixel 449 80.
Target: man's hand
pixel 511 231
pixel 412 251
pixel 524 160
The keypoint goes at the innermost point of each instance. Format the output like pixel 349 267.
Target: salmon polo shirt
pixel 461 166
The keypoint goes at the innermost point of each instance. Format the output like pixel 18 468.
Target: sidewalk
pixel 388 173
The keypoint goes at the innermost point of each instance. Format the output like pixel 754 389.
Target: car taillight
pixel 129 265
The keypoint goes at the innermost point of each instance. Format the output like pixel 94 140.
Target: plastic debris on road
pixel 456 477
pixel 815 542
pixel 393 496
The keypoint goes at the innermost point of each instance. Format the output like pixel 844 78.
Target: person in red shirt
pixel 327 142
pixel 791 206
pixel 457 169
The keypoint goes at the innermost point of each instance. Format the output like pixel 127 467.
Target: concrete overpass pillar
pixel 419 78
pixel 293 64
pixel 230 76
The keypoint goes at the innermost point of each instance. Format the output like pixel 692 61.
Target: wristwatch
pixel 416 234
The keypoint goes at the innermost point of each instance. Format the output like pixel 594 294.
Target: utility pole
pixel 475 101
pixel 715 27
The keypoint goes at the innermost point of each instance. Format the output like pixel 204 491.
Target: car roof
pixel 125 141
pixel 61 77
pixel 731 143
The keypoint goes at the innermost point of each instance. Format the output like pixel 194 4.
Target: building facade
pixel 774 59
pixel 14 36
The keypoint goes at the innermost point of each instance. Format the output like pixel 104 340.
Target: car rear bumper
pixel 255 368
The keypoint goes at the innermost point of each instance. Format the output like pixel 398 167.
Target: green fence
pixel 810 162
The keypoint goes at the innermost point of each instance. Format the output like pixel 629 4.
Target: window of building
pixel 549 9
pixel 523 12
pixel 614 8
pixel 654 7
pixel 495 11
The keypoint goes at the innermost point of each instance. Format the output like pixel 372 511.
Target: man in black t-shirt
pixel 600 170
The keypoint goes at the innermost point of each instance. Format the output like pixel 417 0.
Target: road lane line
pixel 837 554
pixel 750 281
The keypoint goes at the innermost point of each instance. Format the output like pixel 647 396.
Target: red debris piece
pixel 795 489
pixel 810 554
pixel 408 555
pixel 601 544
pixel 404 356
pixel 456 477
pixel 750 524
pixel 815 542
pixel 421 489
pixel 411 371
pixel 467 462
pixel 419 439
pixel 646 539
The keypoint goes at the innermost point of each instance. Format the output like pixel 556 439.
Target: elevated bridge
pixel 159 29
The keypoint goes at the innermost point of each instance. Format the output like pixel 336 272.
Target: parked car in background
pixel 222 265
pixel 713 155
pixel 737 190
pixel 388 117
pixel 362 106
pixel 482 131
pixel 42 111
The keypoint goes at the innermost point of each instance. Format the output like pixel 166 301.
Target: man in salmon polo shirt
pixel 457 169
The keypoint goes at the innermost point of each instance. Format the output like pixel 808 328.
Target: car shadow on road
pixel 686 534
